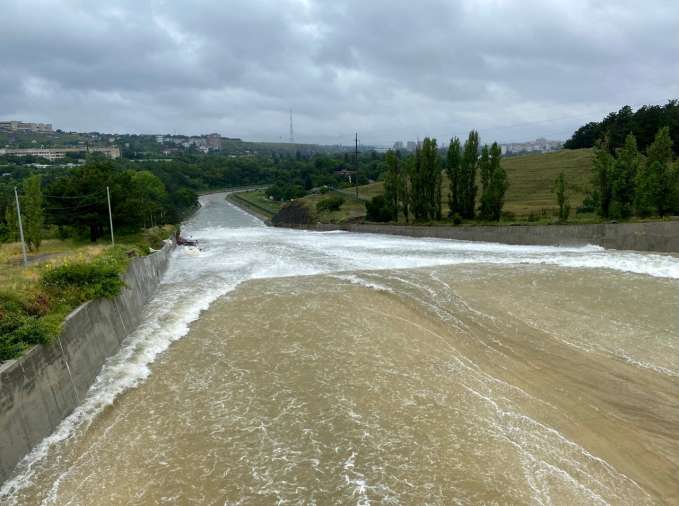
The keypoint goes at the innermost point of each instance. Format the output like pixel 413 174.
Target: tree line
pixel 146 193
pixel 643 123
pixel 75 204
pixel 413 184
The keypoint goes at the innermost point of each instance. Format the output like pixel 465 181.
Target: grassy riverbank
pixel 255 202
pixel 35 300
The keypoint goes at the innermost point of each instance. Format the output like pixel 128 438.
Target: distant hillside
pixel 531 179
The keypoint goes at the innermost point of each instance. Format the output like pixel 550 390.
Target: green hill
pixel 531 179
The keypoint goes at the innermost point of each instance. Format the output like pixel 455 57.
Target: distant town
pixel 42 143
pixel 540 145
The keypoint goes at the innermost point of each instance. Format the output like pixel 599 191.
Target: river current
pixel 280 366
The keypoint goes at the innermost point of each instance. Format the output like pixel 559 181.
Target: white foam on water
pixel 357 280
pixel 236 247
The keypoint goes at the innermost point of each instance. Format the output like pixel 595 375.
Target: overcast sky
pixel 391 69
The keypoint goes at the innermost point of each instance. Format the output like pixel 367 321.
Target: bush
pixel 293 213
pixel 78 282
pixel 456 218
pixel 330 204
pixel 378 210
pixel 19 329
pixel 282 191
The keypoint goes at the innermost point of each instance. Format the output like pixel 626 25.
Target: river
pixel 281 366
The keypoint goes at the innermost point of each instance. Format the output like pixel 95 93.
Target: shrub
pixel 283 191
pixel 19 329
pixel 82 281
pixel 457 219
pixel 293 213
pixel 377 209
pixel 330 204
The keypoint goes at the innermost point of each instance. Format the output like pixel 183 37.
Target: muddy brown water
pixel 489 382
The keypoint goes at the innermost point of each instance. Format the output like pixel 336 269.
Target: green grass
pixel 365 192
pixel 531 179
pixel 350 210
pixel 258 202
pixel 34 300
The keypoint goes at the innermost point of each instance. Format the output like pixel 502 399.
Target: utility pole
pixel 110 216
pixel 21 227
pixel 356 167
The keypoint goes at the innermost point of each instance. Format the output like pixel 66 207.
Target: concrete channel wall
pixel 41 388
pixel 660 236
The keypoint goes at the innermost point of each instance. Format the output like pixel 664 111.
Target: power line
pixel 21 227
pixel 73 197
pixel 72 207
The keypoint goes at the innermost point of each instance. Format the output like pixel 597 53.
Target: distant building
pixel 58 153
pixel 537 146
pixel 411 146
pixel 19 126
pixel 198 141
pixel 214 142
pixel 398 146
pixel 160 139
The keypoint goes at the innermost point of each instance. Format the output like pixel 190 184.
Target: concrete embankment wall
pixel 41 388
pixel 660 236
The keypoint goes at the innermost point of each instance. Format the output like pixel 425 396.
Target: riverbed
pixel 282 366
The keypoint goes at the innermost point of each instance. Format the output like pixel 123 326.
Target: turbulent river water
pixel 290 367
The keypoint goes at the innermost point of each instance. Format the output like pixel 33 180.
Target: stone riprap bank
pixel 41 388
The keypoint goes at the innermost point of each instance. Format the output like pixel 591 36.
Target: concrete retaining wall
pixel 661 236
pixel 41 388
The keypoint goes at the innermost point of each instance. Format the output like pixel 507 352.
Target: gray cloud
pixel 389 69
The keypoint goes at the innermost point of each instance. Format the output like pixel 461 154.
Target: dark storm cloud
pixel 391 69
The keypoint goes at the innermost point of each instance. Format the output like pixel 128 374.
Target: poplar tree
pixel 391 184
pixel 12 222
pixel 602 168
pixel 32 212
pixel 431 173
pixel 425 182
pixel 494 183
pixel 417 204
pixel 623 179
pixel 469 165
pixel 453 170
pixel 404 192
pixel 485 170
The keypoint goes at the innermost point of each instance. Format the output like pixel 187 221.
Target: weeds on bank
pixel 35 300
